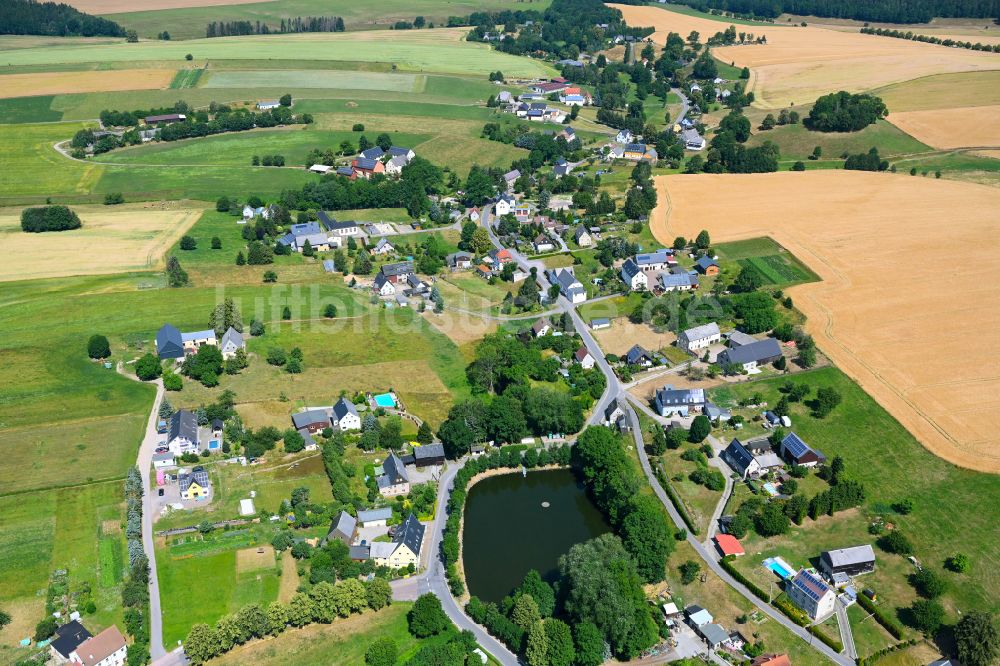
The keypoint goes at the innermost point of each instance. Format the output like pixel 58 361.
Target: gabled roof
pixel 101 646
pixel 309 417
pixel 411 534
pixel 197 475
pixel 704 262
pixel 183 424
pixel 232 336
pixel 847 556
pixel 169 342
pixel 794 445
pixel 737 456
pixel 345 171
pixel 399 151
pixel 810 584
pixel 365 163
pixel 580 231
pixel 650 258
pixel 565 278
pixel 345 525
pixel 702 332
pixel 728 544
pixel 371 515
pixel 383 242
pixel 69 637
pixel 399 161
pixel 343 408
pixel 635 148
pixel 372 153
pixel 636 354
pixel 398 268
pixel 685 279
pixel 513 174
pixel 752 353
pixel 428 451
pixel 668 395
pixel 714 633
pixel 541 324
pixel 581 354
pixel 393 470
pixel 305 228
pixel 630 269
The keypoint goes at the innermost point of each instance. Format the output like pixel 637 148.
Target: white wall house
pixel 699 337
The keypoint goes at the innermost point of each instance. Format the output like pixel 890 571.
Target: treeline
pixel 291 25
pixel 135 591
pixel 115 118
pixel 927 39
pixel 48 218
pixel 28 17
pixel 885 11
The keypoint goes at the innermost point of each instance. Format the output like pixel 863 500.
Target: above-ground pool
pixel 770 489
pixel 385 400
pixel 780 567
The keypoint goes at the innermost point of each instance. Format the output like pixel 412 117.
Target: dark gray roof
pixel 183 424
pixel 713 633
pixel 847 556
pixel 394 471
pixel 365 163
pixel 369 515
pixel 668 395
pixel 636 354
pixel 737 456
pixel 343 408
pixel 69 637
pixel 373 153
pixel 411 533
pixel 305 229
pixel 309 417
pixel 399 150
pixel 754 352
pixel 359 552
pixel 345 171
pixel 169 343
pixel 658 257
pixel 343 526
pixel 435 450
pixel 231 336
pixel 307 437
pixel 197 475
pixel 705 262
pixel 610 409
pixel 398 268
pixel 630 269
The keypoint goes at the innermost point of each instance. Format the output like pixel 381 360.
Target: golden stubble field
pixel 59 83
pixel 119 6
pixel 967 127
pixel 112 240
pixel 798 64
pixel 908 304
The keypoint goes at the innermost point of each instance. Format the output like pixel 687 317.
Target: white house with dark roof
pixel 232 341
pixel 633 276
pixel 682 281
pixel 345 416
pixel 569 286
pixel 311 420
pixel 67 639
pixel 393 480
pixel 405 547
pixel 699 337
pixel 653 261
pixel 343 528
pixel 383 286
pixel 638 355
pixel 810 593
pixel 582 236
pixel 373 153
pixel 383 247
pixel 750 356
pixel 183 435
pixel 680 402
pixel 541 327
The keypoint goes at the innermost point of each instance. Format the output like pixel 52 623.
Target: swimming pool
pixel 779 567
pixel 770 489
pixel 385 400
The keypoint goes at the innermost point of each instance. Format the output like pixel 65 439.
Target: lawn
pixel 28 110
pixel 298 78
pixel 892 465
pixel 797 143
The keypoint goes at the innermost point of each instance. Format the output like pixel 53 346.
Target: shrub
pixel 881 617
pixel 928 583
pixel 727 564
pixel 148 367
pixel 382 652
pixel 98 347
pixel 896 542
pixel 959 563
pixel 49 218
pixel 113 199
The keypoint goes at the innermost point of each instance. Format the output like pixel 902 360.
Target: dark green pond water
pixel 508 532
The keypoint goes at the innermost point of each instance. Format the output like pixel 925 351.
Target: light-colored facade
pixel 699 337
pixel 808 591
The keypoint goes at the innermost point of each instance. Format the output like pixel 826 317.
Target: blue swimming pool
pixel 385 400
pixel 781 568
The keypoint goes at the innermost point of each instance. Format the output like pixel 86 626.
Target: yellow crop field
pixel 112 240
pixel 59 83
pixel 798 64
pixel 119 6
pixel 974 126
pixel 943 91
pixel 917 335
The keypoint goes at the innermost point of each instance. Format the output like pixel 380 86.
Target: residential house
pixel 473 214
pixel 394 165
pixel 542 243
pixel 566 62
pixel 640 152
pixel 373 153
pixel 383 247
pixel 405 546
pixel 165 119
pixel 232 341
pixel 638 355
pixel 599 323
pixel 383 286
pixel 541 327
pixel 428 455
pixel 706 265
pixel 504 97
pixel 194 340
pixel 397 272
pixel 624 136
pixel 107 648
pixel 393 480
pixel 750 356
pixel 504 205
pixel 808 591
pixel 194 485
pixel 375 517
pixel 613 413
pixel 345 416
pixel 183 436
pixel 699 337
pixel 459 260
pixel 852 561
pixel 739 339
pixel 547 87
pixel 510 178
pixel 337 229
pixel 366 168
pixel 575 99
pixel 567 133
pixel 654 261
pixel 68 638
pixel 584 358
pixel 728 545
pixel 499 258
pixel 693 140
pixel 716 413
pixel 750 460
pixel 582 236
pixel 683 281
pixel 402 151
pixel 774 660
pixel 714 634
pixel 164 460
pixel 560 170
pixel 523 212
pixel 695 87
pixel 311 420
pixel 310 443
pixel 797 452
pixel 569 286
pixel 345 171
pixel 633 275
pixel 670 401
pixel 343 528
pixel 416 286
pixel 169 343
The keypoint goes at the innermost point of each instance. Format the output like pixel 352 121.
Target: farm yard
pixel 862 258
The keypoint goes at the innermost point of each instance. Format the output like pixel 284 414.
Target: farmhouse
pixel 428 455
pixel 383 286
pixel 582 236
pixel 401 151
pixel 748 461
pixel 706 265
pixel 374 517
pixel 383 247
pixel 640 152
pixel 541 327
pixel 569 286
pixel 335 228
pixel 613 413
pixel 670 401
pixel 584 358
pixel 623 136
pixel 459 260
pixel 739 339
pixel 194 484
pixel 750 356
pixel 397 272
pixel 699 337
pixel 373 153
pixel 183 436
pixel 638 355
pixel 366 168
pixel 393 480
pixel 232 341
pixel 693 140
pixel 811 594
pixel 633 275
pixel 511 177
pixel 678 281
pixel 165 119
pixel 313 420
pixel 850 561
pixel 345 416
pixel 404 548
pixel 504 205
pixel 394 166
pixel 107 648
pixel 797 452
pixel 68 638
pixel 343 528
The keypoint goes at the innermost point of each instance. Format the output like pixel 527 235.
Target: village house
pixel 194 485
pixel 523 212
pixel 499 258
pixel 504 205
pixel 853 561
pixel 393 480
pixel 633 276
pixel 613 413
pixel 693 140
pixel 169 343
pixel 405 547
pixel 728 545
pixel 473 214
pixel 582 236
pixel 748 464
pixel 542 243
pixel 706 265
pixel 68 638
pixel 682 281
pixel 624 136
pixel 569 286
pixel 773 660
pixel 541 327
pixel 107 648
pixel 678 402
pixel 808 591
pixel 311 420
pixel 183 434
pixel 402 151
pixel 375 517
pixel 638 355
pixel 337 229
pixel 510 178
pixel 699 337
pixel 584 358
pixel 459 260
pixel 640 152
pixel 343 528
pixel 383 247
pixel 232 341
pixel 739 339
pixel 397 272
pixel 366 168
pixel 749 357
pixel 394 165
pixel 383 286
pixel 547 87
pixel 373 153
pixel 345 416
pixel 653 261
pixel 797 452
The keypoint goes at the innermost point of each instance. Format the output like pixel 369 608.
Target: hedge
pixel 890 625
pixel 785 605
pixel 832 643
pixel 727 564
pixel 878 654
pixel 661 476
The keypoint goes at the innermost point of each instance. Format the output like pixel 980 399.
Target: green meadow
pixel 300 78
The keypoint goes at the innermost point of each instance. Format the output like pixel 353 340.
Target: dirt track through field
pixel 59 83
pixel 914 323
pixel 798 64
pixel 955 128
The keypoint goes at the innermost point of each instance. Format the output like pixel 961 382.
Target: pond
pixel 508 531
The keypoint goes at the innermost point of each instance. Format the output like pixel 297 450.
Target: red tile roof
pixel 728 544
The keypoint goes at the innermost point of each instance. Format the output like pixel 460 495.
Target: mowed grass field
pixel 797 143
pixel 943 91
pixel 303 78
pixel 186 19
pixel 441 50
pixel 892 465
pixel 113 239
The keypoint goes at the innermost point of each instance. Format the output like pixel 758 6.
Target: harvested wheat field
pixel 624 334
pixel 120 6
pixel 943 91
pixel 798 64
pixel 969 127
pixel 110 241
pixel 916 331
pixel 59 83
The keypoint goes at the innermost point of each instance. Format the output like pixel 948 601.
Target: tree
pixel 689 571
pixel 4 619
pixel 98 347
pixel 176 276
pixel 769 122
pixel 560 643
pixel 959 563
pixel 771 521
pixel 223 204
pixel 379 593
pixel 701 427
pixel 427 618
pixel 679 243
pixel 928 583
pixel 927 615
pixel 536 651
pixel 285 100
pixel 188 242
pixel 977 639
pixel 148 368
pixel 647 537
pixel 480 241
pixel 525 612
pixel 703 240
pixel 201 644
pixel 896 542
pixel 827 398
pixel 382 652
pixel 844 112
pixel 330 311
pixel 46 628
pixel 799 165
pixel 240 259
pixel 807 357
pixel 540 591
pixel 294 442
pixel 589 644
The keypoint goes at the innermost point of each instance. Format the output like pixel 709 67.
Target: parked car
pixel 161 449
pixel 160 492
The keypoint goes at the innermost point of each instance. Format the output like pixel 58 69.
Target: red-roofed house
pixel 584 358
pixel 728 545
pixel 772 660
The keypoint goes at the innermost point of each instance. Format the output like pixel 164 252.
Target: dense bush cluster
pixel 49 218
pixel 869 161
pixel 844 112
pixel 28 17
pixel 290 25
